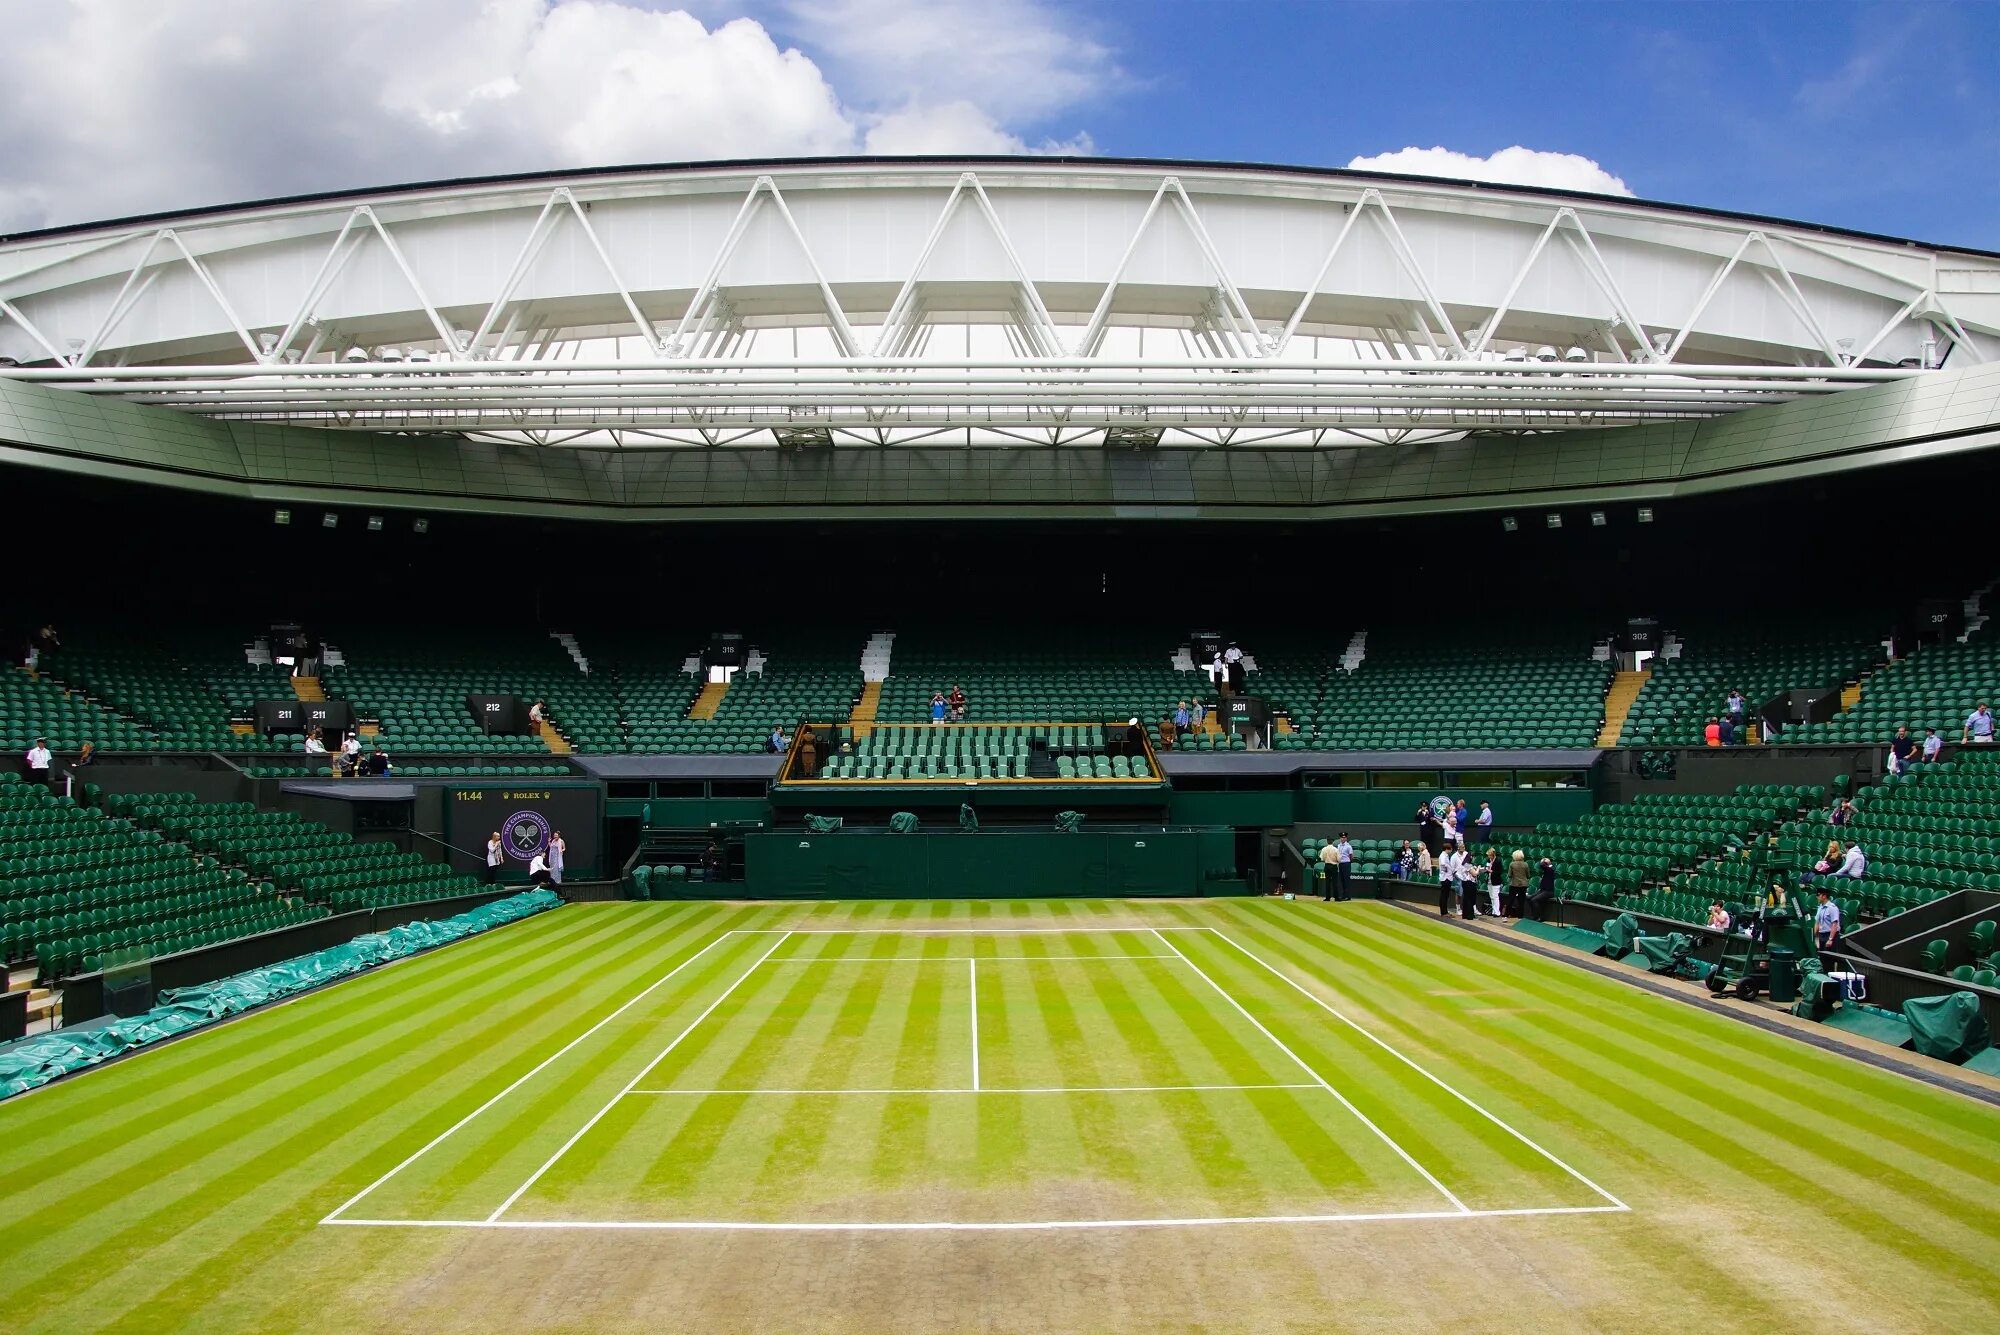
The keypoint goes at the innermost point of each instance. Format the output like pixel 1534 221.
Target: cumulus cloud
pixel 115 108
pixel 1509 166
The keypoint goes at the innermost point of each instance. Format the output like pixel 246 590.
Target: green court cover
pixel 1950 1028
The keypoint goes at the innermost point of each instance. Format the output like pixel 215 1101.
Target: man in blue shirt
pixel 1933 746
pixel 1182 718
pixel 1826 922
pixel 1979 727
pixel 1344 866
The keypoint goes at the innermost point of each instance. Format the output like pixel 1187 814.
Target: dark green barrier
pixel 987 865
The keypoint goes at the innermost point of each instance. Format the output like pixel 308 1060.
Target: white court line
pixel 952 959
pixel 963 931
pixel 972 972
pixel 953 1226
pixel 631 1084
pixel 982 1089
pixel 1384 1136
pixel 1318 1001
pixel 334 1217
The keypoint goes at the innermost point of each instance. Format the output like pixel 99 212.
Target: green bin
pixel 1784 975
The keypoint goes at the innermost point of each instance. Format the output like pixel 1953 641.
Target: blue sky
pixel 1876 116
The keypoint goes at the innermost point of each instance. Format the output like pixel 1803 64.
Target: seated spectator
pixel 1843 813
pixel 1902 750
pixel 1979 726
pixel 1933 746
pixel 776 742
pixel 1853 864
pixel 1712 734
pixel 314 746
pixel 1718 917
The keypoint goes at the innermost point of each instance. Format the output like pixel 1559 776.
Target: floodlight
pixel 281 516
pixel 1553 519
pixel 374 523
pixel 329 520
pixel 1597 519
pixel 1645 514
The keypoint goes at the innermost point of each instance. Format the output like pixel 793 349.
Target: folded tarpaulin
pixel 1950 1028
pixel 1621 935
pixel 180 1009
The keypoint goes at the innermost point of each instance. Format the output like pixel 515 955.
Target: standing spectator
pixel 1328 855
pixel 1736 705
pixel 1430 831
pixel 378 764
pixel 1462 817
pixel 1405 863
pixel 1712 734
pixel 957 702
pixel 1496 879
pixel 1826 921
pixel 558 849
pixel 1197 712
pixel 1424 865
pixel 1979 726
pixel 1517 884
pixel 350 747
pixel 711 861
pixel 1183 717
pixel 1484 822
pixel 1344 867
pixel 537 712
pixel 939 708
pixel 1725 731
pixel 1218 674
pixel 1447 874
pixel 1902 750
pixel 1933 746
pixel 39 759
pixel 1470 873
pixel 495 859
pixel 1234 667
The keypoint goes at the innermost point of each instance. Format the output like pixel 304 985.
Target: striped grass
pixel 1771 1185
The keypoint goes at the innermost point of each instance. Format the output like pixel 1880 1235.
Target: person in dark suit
pixel 1545 891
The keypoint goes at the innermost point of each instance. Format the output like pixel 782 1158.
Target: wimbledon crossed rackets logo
pixel 527 834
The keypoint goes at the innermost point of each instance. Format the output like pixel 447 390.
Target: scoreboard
pixel 527 816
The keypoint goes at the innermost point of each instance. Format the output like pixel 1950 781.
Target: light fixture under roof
pixel 1553 519
pixel 1597 519
pixel 281 516
pixel 1645 514
pixel 329 520
pixel 374 523
pixel 1509 524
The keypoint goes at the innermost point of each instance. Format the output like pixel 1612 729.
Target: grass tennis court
pixel 1039 1115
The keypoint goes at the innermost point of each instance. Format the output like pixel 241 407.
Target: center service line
pixel 972 971
pixel 1401 1153
pixel 632 1084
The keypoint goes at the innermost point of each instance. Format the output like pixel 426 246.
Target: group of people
pixel 1732 726
pixel 1226 671
pixel 348 760
pixel 948 707
pixel 1462 875
pixel 545 868
pixel 1189 716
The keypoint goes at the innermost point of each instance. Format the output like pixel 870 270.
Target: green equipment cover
pixel 968 820
pixel 1814 988
pixel 26 1065
pixel 903 822
pixel 823 824
pixel 1662 954
pixel 1950 1028
pixel 1621 935
pixel 1068 822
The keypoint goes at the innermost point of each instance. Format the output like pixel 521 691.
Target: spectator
pixel 1902 750
pixel 538 869
pixel 1405 863
pixel 1424 865
pixel 378 764
pixel 939 708
pixel 1545 891
pixel 1712 734
pixel 1736 705
pixel 807 763
pixel 1234 667
pixel 1169 733
pixel 711 861
pixel 1469 875
pixel 536 713
pixel 558 849
pixel 350 746
pixel 1451 835
pixel 1517 884
pixel 1979 726
pixel 38 762
pixel 1843 813
pixel 1328 856
pixel 1484 822
pixel 957 702
pixel 1447 874
pixel 495 859
pixel 1826 921
pixel 1718 917
pixel 1853 864
pixel 776 742
pixel 1725 731
pixel 1496 879
pixel 1344 866
pixel 1464 819
pixel 1218 674
pixel 1183 717
pixel 86 756
pixel 314 746
pixel 1933 746
pixel 1196 713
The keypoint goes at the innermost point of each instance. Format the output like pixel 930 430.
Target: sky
pixel 1883 117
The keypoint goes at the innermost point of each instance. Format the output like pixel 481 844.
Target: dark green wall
pixel 1374 806
pixel 866 865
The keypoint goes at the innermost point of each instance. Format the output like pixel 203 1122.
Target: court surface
pixel 1072 1115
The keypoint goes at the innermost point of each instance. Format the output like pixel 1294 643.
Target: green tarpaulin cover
pixel 1620 934
pixel 903 822
pixel 968 820
pixel 183 1008
pixel 1069 822
pixel 1949 1028
pixel 823 824
pixel 1663 954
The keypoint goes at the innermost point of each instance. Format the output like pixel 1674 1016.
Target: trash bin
pixel 1784 975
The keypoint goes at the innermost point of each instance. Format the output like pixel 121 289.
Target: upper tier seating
pixel 1760 655
pixel 806 678
pixel 1935 687
pixel 416 685
pixel 182 687
pixel 1077 675
pixel 1489 687
pixel 1071 752
pixel 32 707
pixel 80 890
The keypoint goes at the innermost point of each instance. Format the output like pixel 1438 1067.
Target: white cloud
pixel 955 127
pixel 114 107
pixel 1509 166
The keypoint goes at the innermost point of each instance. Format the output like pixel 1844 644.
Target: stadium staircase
pixel 1625 688
pixel 308 690
pixel 552 738
pixel 707 701
pixel 862 720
